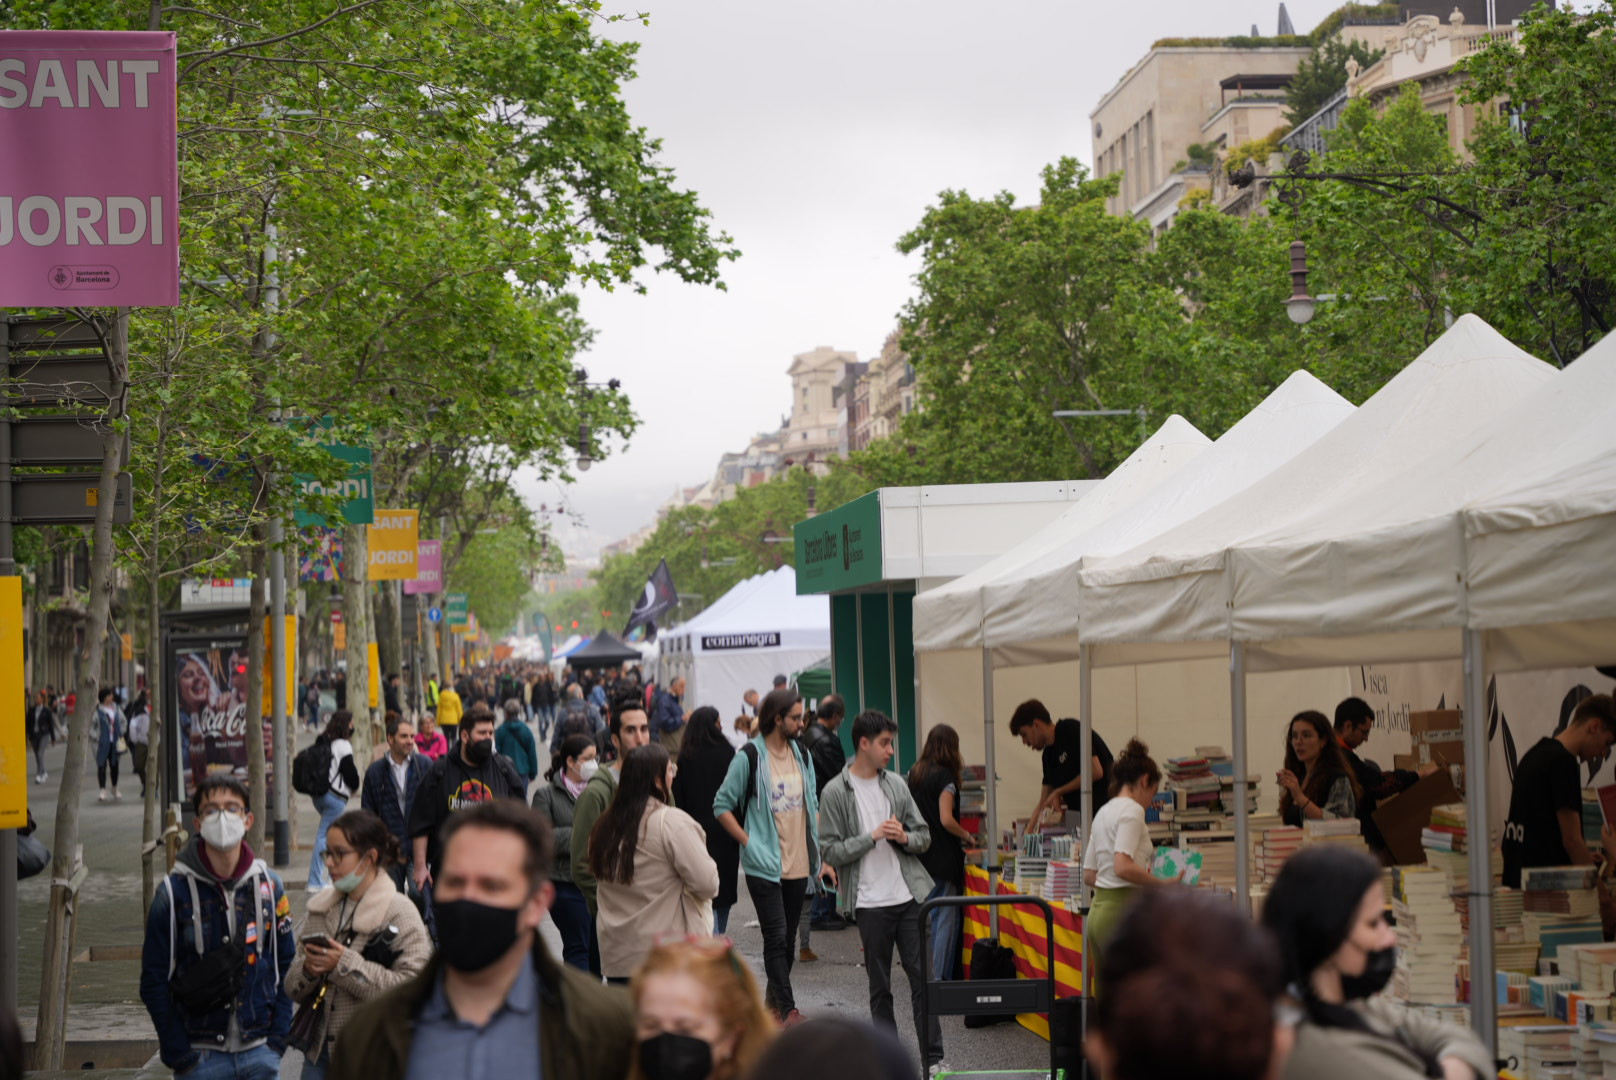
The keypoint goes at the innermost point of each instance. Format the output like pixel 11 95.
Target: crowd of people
pixel 420 953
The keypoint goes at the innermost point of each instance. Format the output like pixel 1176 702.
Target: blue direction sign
pixel 434 615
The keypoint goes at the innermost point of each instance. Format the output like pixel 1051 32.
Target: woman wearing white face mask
pixel 571 766
pixel 362 937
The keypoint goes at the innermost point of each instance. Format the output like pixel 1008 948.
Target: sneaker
pixel 831 924
pixel 792 1019
pixel 807 955
pixel 937 1068
pixel 102 797
pixel 117 795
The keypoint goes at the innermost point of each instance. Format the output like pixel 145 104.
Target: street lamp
pixel 586 389
pixel 1300 305
pixel 585 456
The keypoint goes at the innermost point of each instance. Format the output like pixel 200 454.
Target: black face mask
pixel 471 936
pixel 478 751
pixel 1379 966
pixel 676 1057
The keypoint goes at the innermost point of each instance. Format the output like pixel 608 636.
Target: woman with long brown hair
pixel 935 781
pixel 652 871
pixel 698 1013
pixel 1317 781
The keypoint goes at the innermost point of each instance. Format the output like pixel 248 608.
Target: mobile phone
pixel 322 940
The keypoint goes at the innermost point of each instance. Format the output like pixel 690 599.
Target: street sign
pixel 434 615
pixel 67 499
pixel 59 440
pixel 54 360
pixel 457 606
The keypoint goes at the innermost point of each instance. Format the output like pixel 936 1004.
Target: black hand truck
pixel 986 997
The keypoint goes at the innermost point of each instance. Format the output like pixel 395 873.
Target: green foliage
pixel 1195 198
pixel 1356 12
pixel 1322 75
pixel 1236 41
pixel 1256 149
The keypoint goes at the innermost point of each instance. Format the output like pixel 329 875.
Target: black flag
pixel 659 599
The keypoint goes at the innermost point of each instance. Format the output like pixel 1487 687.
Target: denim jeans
pixel 879 928
pixel 720 919
pixel 315 1070
pixel 779 908
pixel 330 805
pixel 570 912
pixel 824 905
pixel 259 1063
pixel 40 743
pixel 943 934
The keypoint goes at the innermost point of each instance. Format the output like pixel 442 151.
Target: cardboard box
pixel 1407 762
pixel 1402 819
pixel 1437 725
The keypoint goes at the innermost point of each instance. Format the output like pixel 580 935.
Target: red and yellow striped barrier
pixel 1021 930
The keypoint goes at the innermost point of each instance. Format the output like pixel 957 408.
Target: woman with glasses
pixel 652 871
pixel 698 1013
pixel 361 937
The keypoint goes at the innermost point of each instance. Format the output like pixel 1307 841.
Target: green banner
pixel 360 507
pixel 840 549
pixel 456 609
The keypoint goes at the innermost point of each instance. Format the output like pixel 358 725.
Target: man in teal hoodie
pixel 769 803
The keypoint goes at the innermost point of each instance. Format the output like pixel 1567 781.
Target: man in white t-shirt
pixel 871 833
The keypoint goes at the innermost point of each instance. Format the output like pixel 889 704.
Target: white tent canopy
pixel 1169 597
pixel 950 616
pixel 767 630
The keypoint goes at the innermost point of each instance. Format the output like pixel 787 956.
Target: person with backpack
pixel 515 740
pixel 576 717
pixel 770 805
pixel 328 774
pixel 218 947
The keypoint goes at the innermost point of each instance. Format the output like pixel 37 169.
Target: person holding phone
pixel 362 936
pixel 872 835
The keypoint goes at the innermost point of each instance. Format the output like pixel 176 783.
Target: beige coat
pixel 675 881
pixel 1391 1054
pixel 355 981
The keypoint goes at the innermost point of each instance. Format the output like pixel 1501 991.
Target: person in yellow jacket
pixel 449 711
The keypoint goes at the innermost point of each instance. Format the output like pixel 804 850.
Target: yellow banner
pixel 394 540
pixel 127 650
pixel 373 660
pixel 291 666
pixel 339 636
pixel 13 710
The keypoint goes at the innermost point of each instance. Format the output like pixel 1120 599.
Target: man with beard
pixel 493 1003
pixel 469 774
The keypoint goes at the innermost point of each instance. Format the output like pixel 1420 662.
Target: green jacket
pixel 592 802
pixel 585 1029
pixel 761 857
pixel 844 841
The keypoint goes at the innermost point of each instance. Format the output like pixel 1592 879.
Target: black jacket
pixel 701 774
pixel 453 785
pixel 825 747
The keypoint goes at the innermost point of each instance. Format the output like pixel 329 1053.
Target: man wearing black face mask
pixel 470 774
pixel 493 1003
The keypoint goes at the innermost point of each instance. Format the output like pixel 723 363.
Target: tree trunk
pixel 429 649
pixel 389 628
pixel 257 612
pixel 152 820
pixel 51 1026
pixel 356 616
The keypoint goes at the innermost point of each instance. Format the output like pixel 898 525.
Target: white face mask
pixel 224 831
pixel 587 769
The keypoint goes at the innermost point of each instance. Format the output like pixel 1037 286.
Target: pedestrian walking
pixel 935 782
pixel 698 1012
pixel 770 805
pixel 362 936
pixel 342 780
pixel 872 835
pixel 630 729
pixel 139 738
pixel 468 775
pixel 311 706
pixel 492 1003
pixel 41 733
pixel 110 730
pixel 390 788
pixel 514 739
pixel 703 762
pixel 218 947
pixel 823 741
pixel 450 711
pixel 668 724
pixel 570 769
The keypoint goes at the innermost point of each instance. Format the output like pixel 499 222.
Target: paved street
pixel 105 992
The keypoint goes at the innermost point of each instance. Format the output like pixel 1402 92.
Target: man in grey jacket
pixel 872 832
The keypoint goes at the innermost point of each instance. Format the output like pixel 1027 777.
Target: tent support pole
pixel 1085 713
pixel 1242 823
pixel 1483 1001
pixel 990 849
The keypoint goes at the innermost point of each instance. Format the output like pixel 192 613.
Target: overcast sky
pixel 817 134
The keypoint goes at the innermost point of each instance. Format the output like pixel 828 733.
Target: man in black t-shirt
pixel 1061 745
pixel 1544 827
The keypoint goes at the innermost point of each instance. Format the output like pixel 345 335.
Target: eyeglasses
pixel 331 854
pixel 214 811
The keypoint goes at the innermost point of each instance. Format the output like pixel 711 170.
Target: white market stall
pixel 768 631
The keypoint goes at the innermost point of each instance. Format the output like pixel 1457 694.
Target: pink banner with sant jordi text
pixel 89 173
pixel 428 569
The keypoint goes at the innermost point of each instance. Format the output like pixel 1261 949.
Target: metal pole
pixel 9 950
pixel 892 672
pixel 1242 824
pixel 279 724
pixel 1085 720
pixel 990 849
pixel 1483 1003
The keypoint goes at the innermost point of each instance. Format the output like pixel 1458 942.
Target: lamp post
pixel 1062 414
pixel 1300 305
pixel 586 392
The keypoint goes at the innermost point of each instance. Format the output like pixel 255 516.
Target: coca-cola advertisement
pixel 209 680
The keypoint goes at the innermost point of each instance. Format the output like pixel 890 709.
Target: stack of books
pixel 1274 846
pixel 1561 907
pixel 1029 875
pixel 973 790
pixel 1192 783
pixel 1445 844
pixel 1586 1050
pixel 1603 1038
pixel 1535 1046
pixel 1218 857
pixel 1063 879
pixel 1428 936
pixel 1346 832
